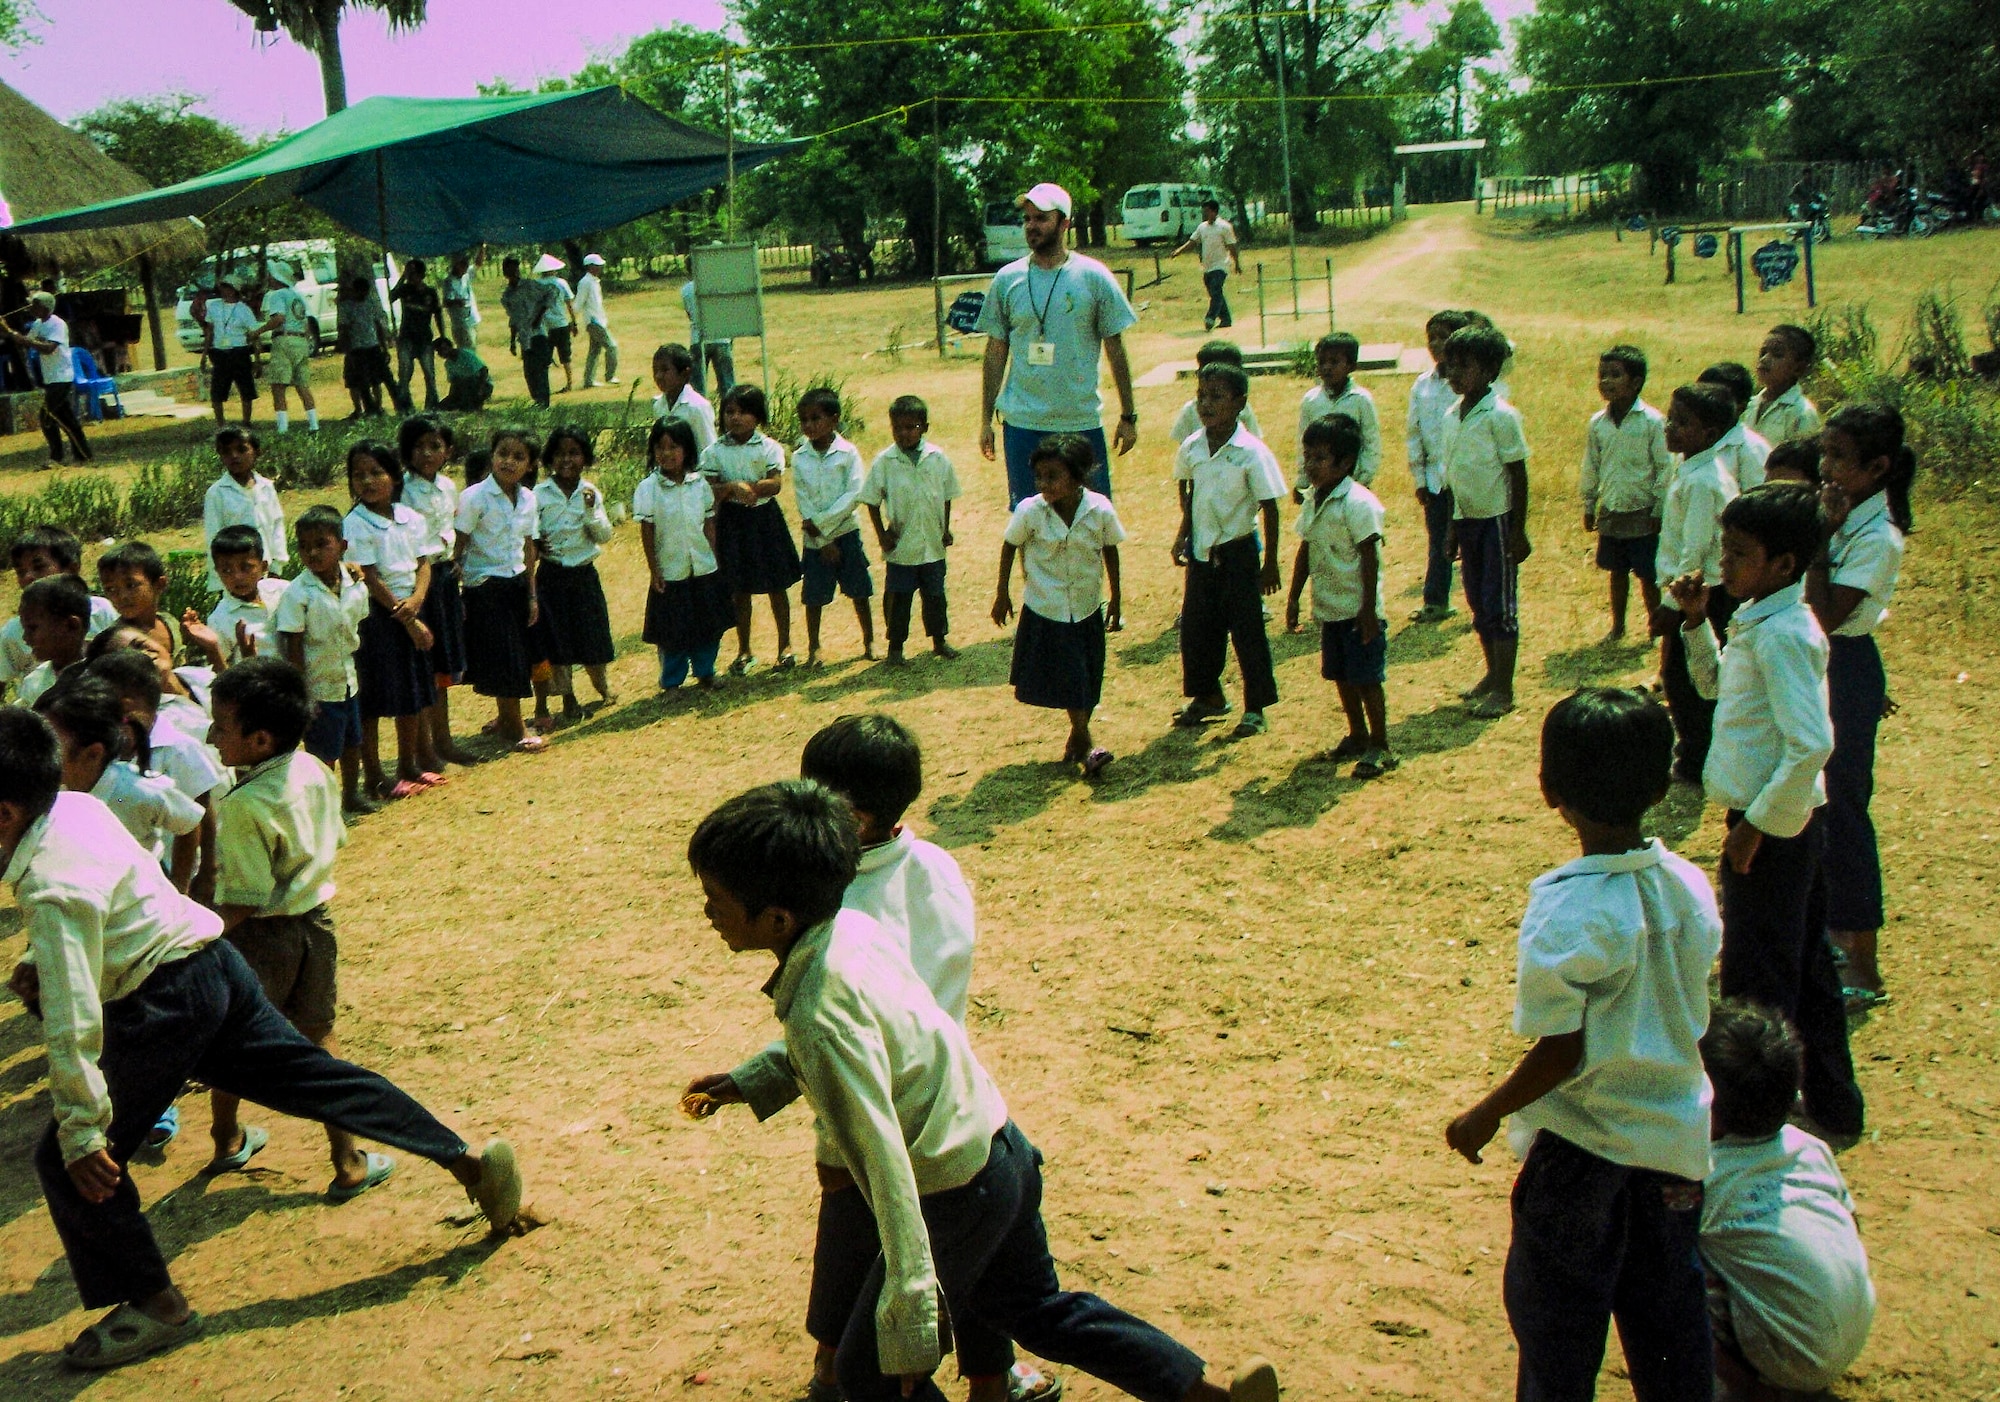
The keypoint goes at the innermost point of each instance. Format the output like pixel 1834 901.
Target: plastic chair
pixel 94 385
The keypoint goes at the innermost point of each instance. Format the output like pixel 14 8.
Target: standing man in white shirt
pixel 287 321
pixel 590 312
pixel 719 356
pixel 1216 238
pixel 228 327
pixel 48 337
pixel 1047 317
pixel 461 308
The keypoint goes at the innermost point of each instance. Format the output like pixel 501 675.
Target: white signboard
pixel 728 290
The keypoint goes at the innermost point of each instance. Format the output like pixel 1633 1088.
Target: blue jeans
pixel 719 355
pixel 674 666
pixel 991 1253
pixel 1218 305
pixel 1437 565
pixel 205 1018
pixel 1019 445
pixel 1593 1241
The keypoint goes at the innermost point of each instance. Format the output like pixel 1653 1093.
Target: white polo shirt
pixel 1213 238
pixel 496 530
pixel 1743 453
pixel 1358 404
pixel 676 511
pixel 1866 553
pixel 590 300
pixel 436 500
pixel 329 622
pixel 912 496
pixel 1618 947
pixel 1230 486
pixel 1478 447
pixel 1064 563
pixel 57 367
pixel 1790 415
pixel 392 544
pixel 694 411
pixel 1426 427
pixel 1626 465
pixel 229 502
pixel 1691 520
pixel 571 533
pixel 827 486
pixel 1188 420
pixel 1334 528
pixel 151 806
pixel 255 616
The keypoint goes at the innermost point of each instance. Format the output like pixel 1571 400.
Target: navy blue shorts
pixel 1343 657
pixel 927 580
pixel 335 728
pixel 1490 577
pixel 1634 556
pixel 851 574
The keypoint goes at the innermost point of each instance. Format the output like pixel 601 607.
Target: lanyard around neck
pixel 1048 305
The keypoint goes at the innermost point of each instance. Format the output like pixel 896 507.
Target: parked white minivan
pixel 314 274
pixel 1006 240
pixel 1164 213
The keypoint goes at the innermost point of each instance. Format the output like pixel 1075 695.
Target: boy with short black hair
pixel 1781 409
pixel 1426 428
pixel 914 483
pixel 55 620
pixel 827 479
pixel 318 623
pixel 238 623
pixel 1624 482
pixel 1610 1107
pixel 1334 357
pixel 242 496
pixel 1740 450
pixel 1773 735
pixel 673 374
pixel 1691 546
pixel 1486 467
pixel 37 553
pixel 775 864
pixel 1187 419
pixel 137 996
pixel 468 383
pixel 134 578
pixel 1229 483
pixel 1789 1294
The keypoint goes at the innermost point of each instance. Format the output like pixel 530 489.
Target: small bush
pixel 88 505
pixel 1935 348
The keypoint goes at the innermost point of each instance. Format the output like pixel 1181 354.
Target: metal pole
pixel 937 221
pixel 937 297
pixel 1263 336
pixel 1329 295
pixel 729 128
pixel 1285 150
pixel 382 232
pixel 1736 244
pixel 1812 293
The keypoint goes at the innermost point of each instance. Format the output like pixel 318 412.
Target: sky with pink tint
pixel 90 52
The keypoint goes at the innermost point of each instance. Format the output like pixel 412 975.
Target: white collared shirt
pixel 1427 428
pixel 727 461
pixel 694 411
pixel 329 622
pixel 1866 553
pixel 1618 947
pixel 1626 465
pixel 276 835
pixel 230 503
pixel 590 300
pixel 1188 420
pixel 1358 404
pixel 458 288
pixel 17 659
pixel 1691 520
pixel 100 917
pixel 677 511
pixel 571 533
pixel 1742 453
pixel 912 495
pixel 1334 528
pixel 436 500
pixel 1777 1225
pixel 56 365
pixel 234 323
pixel 827 486
pixel 393 544
pixel 150 806
pixel 1773 732
pixel 180 750
pixel 1478 448
pixel 1063 564
pixel 254 615
pixel 1790 415
pixel 496 530
pixel 1230 486
pixel 35 685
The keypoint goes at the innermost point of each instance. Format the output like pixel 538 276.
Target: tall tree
pixel 14 16
pixel 1897 78
pixel 165 139
pixel 314 25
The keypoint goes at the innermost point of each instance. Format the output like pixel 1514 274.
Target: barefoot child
pixel 394 547
pixel 575 621
pixel 136 996
pixel 1624 480
pixel 318 623
pixel 1486 467
pixel 775 864
pixel 753 547
pixel 497 523
pixel 1609 1107
pixel 1067 537
pixel 1425 429
pixel 242 496
pixel 913 484
pixel 238 623
pixel 1340 550
pixel 1335 357
pixel 687 605
pixel 1781 409
pixel 425 446
pixel 826 479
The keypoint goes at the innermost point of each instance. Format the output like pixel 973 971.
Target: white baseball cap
pixel 1048 197
pixel 593 260
pixel 549 263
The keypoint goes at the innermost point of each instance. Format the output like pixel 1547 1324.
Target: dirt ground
pixel 1233 995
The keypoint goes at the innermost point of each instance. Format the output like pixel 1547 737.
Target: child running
pixel 913 484
pixel 575 624
pixel 1067 537
pixel 1624 481
pixel 1609 1107
pixel 318 623
pixel 242 496
pixel 426 445
pixel 1340 550
pixel 753 546
pixel 687 605
pixel 827 478
pixel 394 548
pixel 497 523
pixel 915 1120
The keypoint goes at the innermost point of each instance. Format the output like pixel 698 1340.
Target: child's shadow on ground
pixel 1422 642
pixel 1594 665
pixel 1675 817
pixel 1153 652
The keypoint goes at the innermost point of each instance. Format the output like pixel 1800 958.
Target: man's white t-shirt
pixel 286 302
pixel 234 323
pixel 1214 240
pixel 56 369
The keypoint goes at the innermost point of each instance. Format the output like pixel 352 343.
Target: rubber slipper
pixel 380 1166
pixel 1026 1383
pixel 1094 762
pixel 1197 713
pixel 498 1191
pixel 432 781
pixel 1351 747
pixel 817 1391
pixel 531 744
pixel 1863 1000
pixel 127 1335
pixel 786 661
pixel 1375 765
pixel 1255 1381
pixel 1252 724
pixel 167 1130
pixel 403 788
pixel 254 1139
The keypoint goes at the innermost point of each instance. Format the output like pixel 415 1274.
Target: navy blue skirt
pixel 500 654
pixel 396 679
pixel 444 614
pixel 575 625
pixel 754 550
pixel 689 614
pixel 1059 665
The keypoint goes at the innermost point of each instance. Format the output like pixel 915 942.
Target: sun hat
pixel 549 263
pixel 593 260
pixel 1048 197
pixel 43 299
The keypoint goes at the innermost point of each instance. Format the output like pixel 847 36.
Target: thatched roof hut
pixel 45 167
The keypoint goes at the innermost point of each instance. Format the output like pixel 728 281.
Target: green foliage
pixel 165 139
pixel 14 17
pixel 1897 78
pixel 85 502
pixel 1935 349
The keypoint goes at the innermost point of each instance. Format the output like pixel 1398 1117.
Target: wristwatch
pixel 1132 419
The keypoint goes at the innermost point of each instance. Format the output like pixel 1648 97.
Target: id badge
pixel 1041 352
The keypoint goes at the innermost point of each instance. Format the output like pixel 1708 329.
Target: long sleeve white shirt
pixel 1626 465
pixel 231 503
pixel 1691 520
pixel 1425 428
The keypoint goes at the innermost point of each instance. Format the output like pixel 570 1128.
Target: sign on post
pixel 729 289
pixel 1775 263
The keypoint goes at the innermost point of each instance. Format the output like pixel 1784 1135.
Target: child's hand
pixel 944 538
pixel 1691 595
pixel 707 1094
pixel 200 634
pixel 1180 550
pixel 404 610
pixel 354 573
pixel 1292 614
pixel 1114 614
pixel 420 635
pixel 1268 577
pixel 246 641
pixel 659 585
pixel 1739 849
pixel 1834 505
pixel 534 610
pixel 26 984
pixel 888 538
pixel 1003 608
pixel 1471 1132
pixel 96 1176
pixel 1368 625
pixel 1518 548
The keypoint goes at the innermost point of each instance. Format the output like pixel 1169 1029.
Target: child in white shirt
pixel 1486 467
pixel 1739 450
pixel 673 373
pixel 827 478
pixel 393 547
pixel 753 546
pixel 238 623
pixel 1187 419
pixel 575 622
pixel 36 554
pixel 688 607
pixel 318 624
pixel 427 446
pixel 1425 430
pixel 1335 357
pixel 54 613
pixel 912 484
pixel 1691 547
pixel 497 524
pixel 1624 481
pixel 1610 1106
pixel 88 716
pixel 242 496
pixel 1781 412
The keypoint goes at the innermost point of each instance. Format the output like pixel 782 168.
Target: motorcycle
pixel 1813 210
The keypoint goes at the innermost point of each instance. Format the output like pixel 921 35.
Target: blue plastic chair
pixel 94 385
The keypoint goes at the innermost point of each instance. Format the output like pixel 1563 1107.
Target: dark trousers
pixel 205 1018
pixel 1218 305
pixel 535 358
pixel 1596 1241
pixel 1437 565
pixel 59 420
pixel 1775 952
pixel 1693 714
pixel 991 1254
pixel 1855 689
pixel 1018 446
pixel 844 1252
pixel 899 583
pixel 1222 604
pixel 719 356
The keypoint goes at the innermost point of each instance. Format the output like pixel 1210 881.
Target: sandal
pixel 786 661
pixel 127 1335
pixel 742 665
pixel 1864 1000
pixel 254 1139
pixel 1375 765
pixel 531 744
pixel 1197 713
pixel 498 1191
pixel 166 1130
pixel 431 781
pixel 1093 765
pixel 1252 724
pixel 1027 1383
pixel 378 1169
pixel 1351 747
pixel 402 788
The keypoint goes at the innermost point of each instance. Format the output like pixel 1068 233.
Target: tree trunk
pixel 332 71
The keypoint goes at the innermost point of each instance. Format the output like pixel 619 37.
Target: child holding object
pixel 688 608
pixel 753 547
pixel 1067 537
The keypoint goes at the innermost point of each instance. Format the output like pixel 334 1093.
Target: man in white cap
pixel 288 324
pixel 1045 320
pixel 48 337
pixel 561 318
pixel 590 312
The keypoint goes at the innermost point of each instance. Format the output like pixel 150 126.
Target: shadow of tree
pixel 1422 642
pixel 1594 665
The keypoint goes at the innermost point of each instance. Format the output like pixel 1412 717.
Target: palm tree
pixel 314 25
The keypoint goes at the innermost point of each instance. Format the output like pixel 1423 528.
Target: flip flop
pixel 1197 713
pixel 1864 1000
pixel 167 1130
pixel 432 781
pixel 531 744
pixel 379 1167
pixel 403 788
pixel 1255 1381
pixel 1350 747
pixel 1027 1383
pixel 1094 762
pixel 254 1139
pixel 127 1335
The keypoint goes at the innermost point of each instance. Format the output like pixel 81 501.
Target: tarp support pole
pixel 937 221
pixel 729 129
pixel 382 231
pixel 152 311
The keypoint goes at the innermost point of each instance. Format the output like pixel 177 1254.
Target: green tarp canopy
pixel 428 176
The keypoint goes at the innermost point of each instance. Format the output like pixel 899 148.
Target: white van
pixel 314 275
pixel 1164 213
pixel 1006 240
